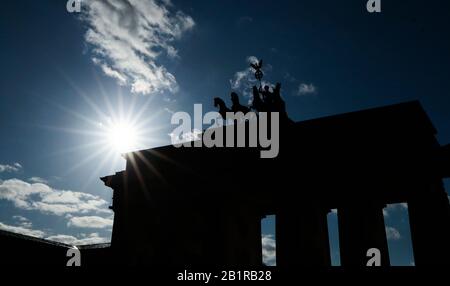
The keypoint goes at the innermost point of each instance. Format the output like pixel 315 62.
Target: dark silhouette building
pixel 203 206
pixel 19 249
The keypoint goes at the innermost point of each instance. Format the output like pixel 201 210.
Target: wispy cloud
pixel 16 167
pixel 392 233
pixel 41 197
pixel 168 110
pixel 93 238
pixel 25 230
pixel 22 221
pixel 393 208
pixel 38 180
pixel 289 77
pixel 244 80
pixel 128 37
pixel 90 222
pixel 306 88
pixel 269 250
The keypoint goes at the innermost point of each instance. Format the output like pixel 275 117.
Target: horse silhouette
pixel 257 103
pixel 223 109
pixel 237 107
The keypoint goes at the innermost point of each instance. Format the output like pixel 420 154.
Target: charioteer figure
pixel 264 100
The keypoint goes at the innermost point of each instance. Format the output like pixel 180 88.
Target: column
pixel 429 219
pixel 302 237
pixel 361 227
pixel 242 238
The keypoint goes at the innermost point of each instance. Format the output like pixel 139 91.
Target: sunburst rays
pixel 110 126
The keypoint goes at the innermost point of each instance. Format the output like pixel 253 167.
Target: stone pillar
pixel 302 238
pixel 216 237
pixel 361 227
pixel 254 240
pixel 251 244
pixel 429 219
pixel 242 238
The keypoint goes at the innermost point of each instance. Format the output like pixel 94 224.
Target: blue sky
pixel 65 78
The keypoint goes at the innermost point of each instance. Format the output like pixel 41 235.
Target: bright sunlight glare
pixel 122 136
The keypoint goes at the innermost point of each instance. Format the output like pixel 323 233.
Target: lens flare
pixel 122 136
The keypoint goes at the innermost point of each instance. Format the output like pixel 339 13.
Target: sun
pixel 122 136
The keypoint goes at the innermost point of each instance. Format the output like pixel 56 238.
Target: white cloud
pixel 128 36
pixel 25 229
pixel 252 60
pixel 16 167
pixel 23 221
pixel 168 110
pixel 269 250
pixel 392 233
pixel 20 218
pixel 394 207
pixel 305 88
pixel 41 197
pixel 244 80
pixel 90 222
pixel 121 78
pixel 290 78
pixel 240 77
pixel 38 180
pixel 399 206
pixel 167 2
pixel 22 230
pixel 93 238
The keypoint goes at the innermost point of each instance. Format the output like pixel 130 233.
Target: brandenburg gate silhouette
pixel 203 206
